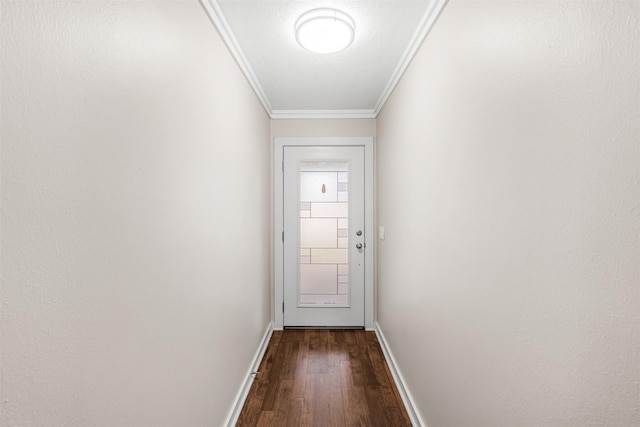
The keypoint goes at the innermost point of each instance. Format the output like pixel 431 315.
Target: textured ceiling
pixel 293 80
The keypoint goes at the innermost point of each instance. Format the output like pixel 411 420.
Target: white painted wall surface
pixel 135 266
pixel 509 186
pixel 322 127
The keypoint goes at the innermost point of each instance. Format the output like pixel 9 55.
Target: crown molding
pixel 323 114
pixel 217 17
pixel 426 23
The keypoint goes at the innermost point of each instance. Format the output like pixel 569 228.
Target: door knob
pixel 358 245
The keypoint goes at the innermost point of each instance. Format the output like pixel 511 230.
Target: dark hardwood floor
pixel 323 378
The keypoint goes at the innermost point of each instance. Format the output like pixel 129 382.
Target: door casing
pixel 369 240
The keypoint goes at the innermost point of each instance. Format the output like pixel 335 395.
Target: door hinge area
pixel 283 236
pixel 283 306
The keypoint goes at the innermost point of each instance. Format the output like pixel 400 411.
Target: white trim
pixel 426 23
pixel 232 419
pixel 370 237
pixel 217 17
pixel 414 415
pixel 323 114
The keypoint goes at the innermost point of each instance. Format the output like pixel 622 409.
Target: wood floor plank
pixel 270 354
pixel 393 407
pixel 396 394
pixel 320 403
pixel 301 369
pixel 378 363
pixel 284 402
pixel 355 403
pixel 253 405
pixel 265 419
pixel 290 365
pixel 318 362
pixel 295 418
pixel 324 378
pixel 309 401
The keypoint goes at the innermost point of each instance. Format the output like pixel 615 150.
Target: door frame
pixel 278 218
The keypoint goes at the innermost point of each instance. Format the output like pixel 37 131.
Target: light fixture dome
pixel 325 30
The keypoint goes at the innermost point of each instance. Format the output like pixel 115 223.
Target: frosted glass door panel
pixel 323 245
pixel 329 256
pixel 318 232
pixel 330 210
pixel 318 186
pixel 318 279
pixel 323 209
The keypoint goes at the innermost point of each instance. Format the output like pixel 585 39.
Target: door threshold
pixel 324 327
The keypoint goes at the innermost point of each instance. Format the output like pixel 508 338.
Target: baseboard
pixel 416 420
pixel 232 419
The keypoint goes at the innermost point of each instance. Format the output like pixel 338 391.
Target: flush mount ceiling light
pixel 325 30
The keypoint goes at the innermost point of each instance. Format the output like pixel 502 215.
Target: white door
pixel 324 218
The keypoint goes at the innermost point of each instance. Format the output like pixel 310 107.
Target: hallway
pixel 138 234
pixel 324 378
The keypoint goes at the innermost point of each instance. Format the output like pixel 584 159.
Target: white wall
pixel 509 185
pixel 322 127
pixel 135 266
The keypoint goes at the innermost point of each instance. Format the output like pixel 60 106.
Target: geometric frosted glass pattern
pixel 324 234
pixel 312 183
pixel 314 278
pixel 329 210
pixel 318 232
pixel 329 256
